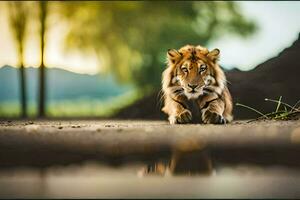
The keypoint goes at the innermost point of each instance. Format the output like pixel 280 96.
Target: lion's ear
pixel 173 55
pixel 214 55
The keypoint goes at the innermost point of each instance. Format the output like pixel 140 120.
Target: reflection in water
pixel 243 168
pixel 189 157
pixel 182 163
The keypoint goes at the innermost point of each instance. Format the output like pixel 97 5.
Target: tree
pixel 18 17
pixel 131 38
pixel 42 78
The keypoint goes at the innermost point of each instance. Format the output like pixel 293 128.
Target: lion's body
pixel 194 83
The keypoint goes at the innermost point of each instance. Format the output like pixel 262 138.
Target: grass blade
pixel 269 115
pixel 278 105
pixel 283 114
pixel 239 104
pixel 294 107
pixel 290 114
pixel 276 101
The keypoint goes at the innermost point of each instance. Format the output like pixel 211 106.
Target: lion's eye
pixel 202 68
pixel 184 69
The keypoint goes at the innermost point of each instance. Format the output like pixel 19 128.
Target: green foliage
pixel 131 38
pixel 12 108
pixel 281 112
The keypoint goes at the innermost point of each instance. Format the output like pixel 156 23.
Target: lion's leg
pixel 213 114
pixel 178 114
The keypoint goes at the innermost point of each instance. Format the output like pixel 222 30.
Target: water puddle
pixel 191 169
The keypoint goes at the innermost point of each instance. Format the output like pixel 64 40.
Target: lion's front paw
pixel 184 117
pixel 212 118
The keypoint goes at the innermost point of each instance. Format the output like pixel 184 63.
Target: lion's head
pixel 193 67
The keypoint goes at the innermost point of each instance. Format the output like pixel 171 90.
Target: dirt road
pixel 45 142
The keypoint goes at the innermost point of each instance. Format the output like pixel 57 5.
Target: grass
pixel 84 107
pixel 91 107
pixel 283 111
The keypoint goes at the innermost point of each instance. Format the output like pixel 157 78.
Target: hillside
pixel 61 85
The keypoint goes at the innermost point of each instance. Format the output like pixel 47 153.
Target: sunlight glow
pixel 278 27
pixel 54 53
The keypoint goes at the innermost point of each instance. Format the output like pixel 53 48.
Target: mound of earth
pixel 148 107
pixel 278 76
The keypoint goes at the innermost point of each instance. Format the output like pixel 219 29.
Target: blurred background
pixel 105 59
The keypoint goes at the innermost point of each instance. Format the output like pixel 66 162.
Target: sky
pixel 278 22
pixel 279 27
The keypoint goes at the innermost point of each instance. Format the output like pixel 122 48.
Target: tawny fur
pixel 193 74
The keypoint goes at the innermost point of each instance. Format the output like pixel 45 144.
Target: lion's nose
pixel 192 86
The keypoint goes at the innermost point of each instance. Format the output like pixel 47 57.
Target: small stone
pixel 30 122
pixel 108 125
pixel 60 127
pixel 98 130
pixel 32 128
pixel 9 121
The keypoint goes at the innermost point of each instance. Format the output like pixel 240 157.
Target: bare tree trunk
pixel 22 83
pixel 18 19
pixel 42 89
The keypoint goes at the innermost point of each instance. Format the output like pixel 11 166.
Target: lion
pixel 195 88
